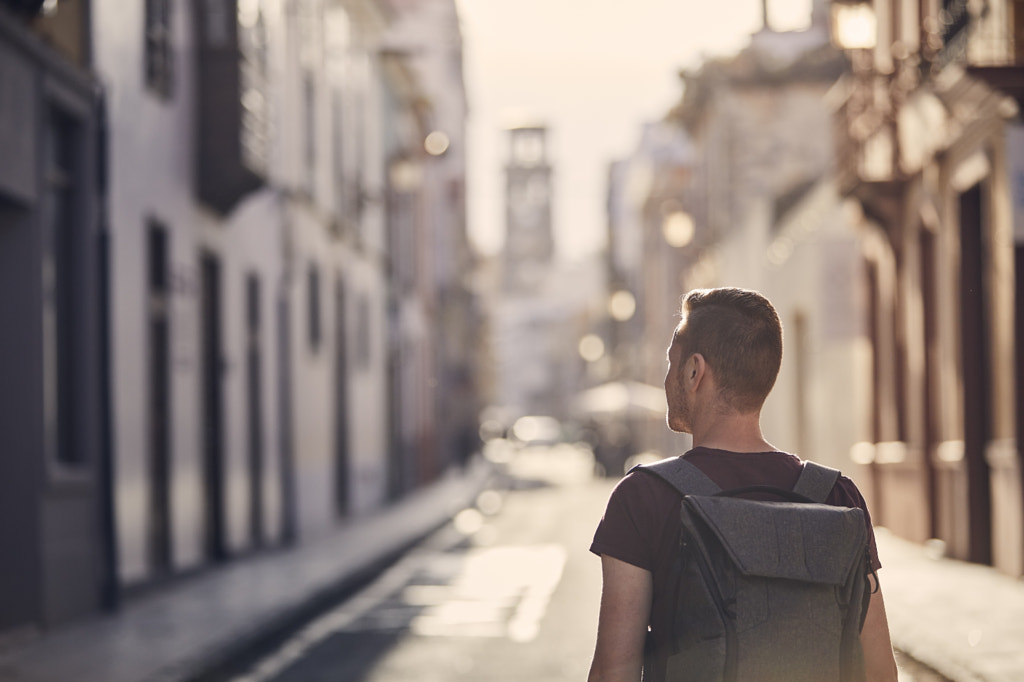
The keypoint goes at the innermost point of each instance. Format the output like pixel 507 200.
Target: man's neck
pixel 733 432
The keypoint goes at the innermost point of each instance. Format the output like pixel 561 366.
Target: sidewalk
pixel 963 620
pixel 185 630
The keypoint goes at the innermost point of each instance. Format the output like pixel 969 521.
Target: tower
pixel 529 244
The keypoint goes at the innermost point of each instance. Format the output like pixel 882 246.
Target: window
pixel 363 333
pixel 254 407
pixel 159 388
pixel 313 293
pixel 62 270
pixel 309 132
pixel 310 26
pixel 159 60
pixel 527 147
pixel 342 201
pixel 253 70
pixel 955 19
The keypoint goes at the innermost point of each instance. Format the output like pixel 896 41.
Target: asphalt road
pixel 506 593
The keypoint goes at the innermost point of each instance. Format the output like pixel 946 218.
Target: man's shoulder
pixel 847 493
pixel 641 478
pixel 643 487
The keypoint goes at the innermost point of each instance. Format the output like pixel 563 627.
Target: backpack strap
pixel 816 481
pixel 681 475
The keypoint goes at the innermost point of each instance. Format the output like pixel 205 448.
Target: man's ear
pixel 696 367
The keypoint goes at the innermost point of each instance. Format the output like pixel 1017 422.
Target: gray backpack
pixel 766 591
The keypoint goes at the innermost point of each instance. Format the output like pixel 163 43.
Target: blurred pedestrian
pixel 723 360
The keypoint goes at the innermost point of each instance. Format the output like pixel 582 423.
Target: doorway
pixel 212 406
pixel 341 402
pixel 254 407
pixel 926 245
pixel 159 402
pixel 976 378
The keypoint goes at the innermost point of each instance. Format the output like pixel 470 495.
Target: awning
pixel 621 397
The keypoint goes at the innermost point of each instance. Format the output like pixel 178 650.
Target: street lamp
pixel 591 348
pixel 622 305
pixel 678 228
pixel 405 174
pixel 854 25
pixel 436 143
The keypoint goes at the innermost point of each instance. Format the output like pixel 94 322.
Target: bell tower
pixel 529 244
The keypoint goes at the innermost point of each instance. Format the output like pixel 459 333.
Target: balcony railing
pixel 955 19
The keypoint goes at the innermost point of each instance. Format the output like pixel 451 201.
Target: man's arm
pixel 622 625
pixel 879 662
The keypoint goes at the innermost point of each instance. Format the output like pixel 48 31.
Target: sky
pixel 593 71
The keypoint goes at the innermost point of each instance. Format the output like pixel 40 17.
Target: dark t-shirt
pixel 641 522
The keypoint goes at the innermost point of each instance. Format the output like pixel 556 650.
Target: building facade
pixel 55 513
pixel 929 144
pixel 207 260
pixel 735 187
pixel 523 321
pixel 768 216
pixel 529 239
pixel 540 305
pixel 433 318
pixel 648 233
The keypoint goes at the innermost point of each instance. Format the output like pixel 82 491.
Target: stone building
pixel 928 123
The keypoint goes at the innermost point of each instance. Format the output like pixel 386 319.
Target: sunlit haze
pixel 592 71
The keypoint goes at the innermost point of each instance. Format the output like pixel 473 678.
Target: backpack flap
pixel 816 543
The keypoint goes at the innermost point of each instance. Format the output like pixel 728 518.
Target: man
pixel 722 363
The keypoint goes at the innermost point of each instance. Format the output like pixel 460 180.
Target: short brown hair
pixel 739 334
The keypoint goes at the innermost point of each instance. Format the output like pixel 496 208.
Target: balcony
pixel 954 31
pixel 232 135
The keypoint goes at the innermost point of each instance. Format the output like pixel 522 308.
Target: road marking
pixel 484 592
pixel 334 621
pixel 499 592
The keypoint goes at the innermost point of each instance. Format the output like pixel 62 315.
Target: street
pixel 507 592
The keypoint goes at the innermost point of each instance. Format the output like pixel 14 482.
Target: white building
pixel 251 284
pixel 235 258
pixel 331 172
pixel 433 319
pixel 197 476
pixel 768 216
pixel 649 237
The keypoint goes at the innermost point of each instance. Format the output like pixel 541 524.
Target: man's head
pixel 738 334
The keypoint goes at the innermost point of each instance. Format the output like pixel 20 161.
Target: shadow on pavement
pixel 342 656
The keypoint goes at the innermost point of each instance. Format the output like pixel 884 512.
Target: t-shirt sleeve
pixel 627 529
